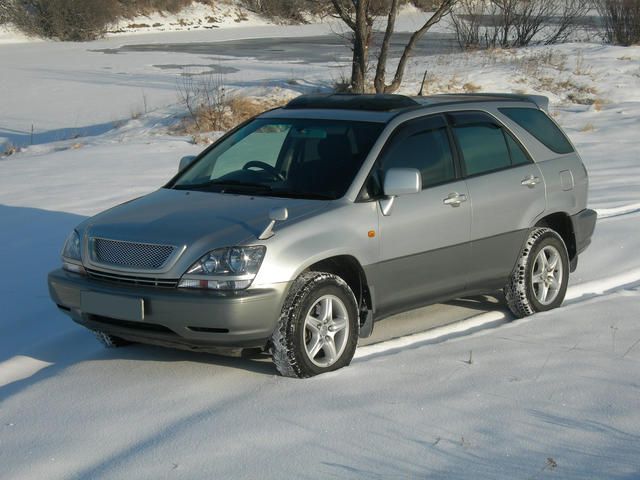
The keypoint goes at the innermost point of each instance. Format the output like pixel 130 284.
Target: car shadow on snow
pixel 25 138
pixel 31 326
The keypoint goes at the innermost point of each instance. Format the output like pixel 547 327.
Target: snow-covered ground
pixel 552 396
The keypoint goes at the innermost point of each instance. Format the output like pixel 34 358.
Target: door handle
pixel 454 199
pixel 530 181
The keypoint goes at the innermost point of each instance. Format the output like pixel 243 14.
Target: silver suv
pixel 299 229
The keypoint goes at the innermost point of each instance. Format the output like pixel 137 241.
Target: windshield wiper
pixel 306 195
pixel 227 185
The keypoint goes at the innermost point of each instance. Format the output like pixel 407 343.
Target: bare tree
pixel 379 82
pixel 359 17
pixel 516 23
pixel 621 20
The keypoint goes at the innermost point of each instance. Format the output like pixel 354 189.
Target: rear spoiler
pixel 540 100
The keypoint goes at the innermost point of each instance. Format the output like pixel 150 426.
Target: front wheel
pixel 539 281
pixel 318 328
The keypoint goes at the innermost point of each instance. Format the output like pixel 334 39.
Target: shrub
pixel 515 23
pixel 621 20
pixel 290 11
pixel 76 20
pixel 79 20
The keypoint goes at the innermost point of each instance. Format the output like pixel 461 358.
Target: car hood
pixel 195 219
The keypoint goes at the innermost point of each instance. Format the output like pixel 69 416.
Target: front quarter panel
pixel 343 230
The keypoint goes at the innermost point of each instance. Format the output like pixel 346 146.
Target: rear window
pixel 538 124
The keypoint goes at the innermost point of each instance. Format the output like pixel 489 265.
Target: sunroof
pixel 371 102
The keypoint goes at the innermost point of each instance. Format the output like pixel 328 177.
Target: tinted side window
pixel 540 126
pixel 483 147
pixel 518 155
pixel 427 150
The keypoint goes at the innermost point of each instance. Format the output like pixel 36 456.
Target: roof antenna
pixel 424 79
pixel 275 215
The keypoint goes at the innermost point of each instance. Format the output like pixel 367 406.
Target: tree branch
pixel 343 14
pixel 445 7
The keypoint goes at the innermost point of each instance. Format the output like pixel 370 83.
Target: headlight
pixel 72 254
pixel 232 268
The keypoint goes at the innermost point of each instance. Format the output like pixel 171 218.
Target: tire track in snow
pixel 617 211
pixel 492 319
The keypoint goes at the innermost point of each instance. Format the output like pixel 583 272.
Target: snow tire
pixel 288 340
pixel 519 290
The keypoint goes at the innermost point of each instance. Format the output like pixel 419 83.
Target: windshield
pixel 301 158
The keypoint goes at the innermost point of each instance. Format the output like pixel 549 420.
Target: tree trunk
pixel 379 81
pixel 444 8
pixel 361 38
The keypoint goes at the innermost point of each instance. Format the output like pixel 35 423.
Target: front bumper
pixel 192 319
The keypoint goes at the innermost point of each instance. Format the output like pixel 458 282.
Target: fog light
pixel 74 268
pixel 214 284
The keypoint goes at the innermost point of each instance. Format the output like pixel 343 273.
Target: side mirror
pixel 279 214
pixel 402 181
pixel 398 182
pixel 186 161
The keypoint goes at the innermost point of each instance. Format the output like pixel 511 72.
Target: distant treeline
pixel 78 20
pixel 514 22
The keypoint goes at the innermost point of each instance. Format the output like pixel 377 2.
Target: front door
pixel 424 239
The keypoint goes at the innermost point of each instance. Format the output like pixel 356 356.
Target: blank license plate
pixel 113 306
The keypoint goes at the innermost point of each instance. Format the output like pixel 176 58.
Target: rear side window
pixel 518 155
pixel 540 126
pixel 483 147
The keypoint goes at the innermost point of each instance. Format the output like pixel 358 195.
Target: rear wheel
pixel 539 281
pixel 318 328
pixel 111 341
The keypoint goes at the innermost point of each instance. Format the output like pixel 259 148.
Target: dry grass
pixel 580 99
pixel 471 87
pixel 244 108
pixel 533 65
pixel 598 103
pixel 589 127
pixel 7 150
pixel 224 117
pixel 581 68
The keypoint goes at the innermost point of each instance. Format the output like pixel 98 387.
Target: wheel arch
pixel 350 270
pixel 561 223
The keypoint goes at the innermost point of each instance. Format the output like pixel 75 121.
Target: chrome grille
pixel 147 256
pixel 132 280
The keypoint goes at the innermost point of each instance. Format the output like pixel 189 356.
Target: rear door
pixel 424 240
pixel 506 191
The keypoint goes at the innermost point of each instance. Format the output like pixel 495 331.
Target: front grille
pixel 132 280
pixel 147 256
